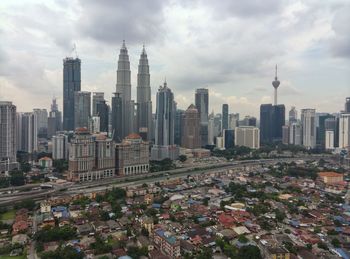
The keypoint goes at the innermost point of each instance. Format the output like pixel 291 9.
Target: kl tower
pixel 275 84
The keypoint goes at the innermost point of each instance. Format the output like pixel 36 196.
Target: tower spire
pixel 275 84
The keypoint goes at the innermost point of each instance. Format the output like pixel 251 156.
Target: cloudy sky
pixel 228 46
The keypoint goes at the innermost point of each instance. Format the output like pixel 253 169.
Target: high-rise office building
pixel 347 105
pixel 202 105
pixel 224 116
pixel 233 120
pixel 191 128
pixel 144 103
pixel 329 140
pixel 332 124
pixel 71 84
pixel 164 129
pixel 117 118
pixel 247 136
pixel 29 132
pixel 285 134
pixel 178 127
pixel 97 97
pixel 124 89
pixel 82 109
pixel 308 120
pixel 229 138
pixel 344 131
pixel 217 125
pixel 60 146
pixel 295 134
pixel 211 129
pixel 42 122
pixel 102 111
pixel 272 118
pixel 293 115
pixel 8 145
pixel 54 121
pixel 321 128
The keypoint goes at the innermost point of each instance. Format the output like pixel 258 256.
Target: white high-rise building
pixel 7 136
pixel 295 132
pixel 42 121
pixel 329 141
pixel 247 136
pixel 344 131
pixel 308 120
pixel 60 146
pixel 144 103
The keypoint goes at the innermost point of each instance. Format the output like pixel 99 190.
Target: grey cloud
pixel 111 21
pixel 246 9
pixel 340 44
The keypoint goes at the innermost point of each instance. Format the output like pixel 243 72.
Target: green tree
pixel 182 158
pixel 336 242
pixel 17 178
pixel 249 252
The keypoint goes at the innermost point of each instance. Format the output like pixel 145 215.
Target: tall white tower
pixel 275 84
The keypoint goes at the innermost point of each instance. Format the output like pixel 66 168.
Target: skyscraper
pixel 295 134
pixel 42 122
pixel 211 129
pixel 124 89
pixel 60 146
pixel 54 122
pixel 117 118
pixel 266 116
pixel 293 115
pixel 82 108
pixel 321 129
pixel 8 145
pixel 224 116
pixel 71 84
pixel 344 131
pixel 347 105
pixel 29 132
pixel 102 111
pixel 272 118
pixel 178 127
pixel 308 120
pixel 144 103
pixel 191 128
pixel 164 129
pixel 202 105
pixel 233 120
pixel 97 97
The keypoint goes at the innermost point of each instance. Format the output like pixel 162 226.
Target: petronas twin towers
pixel 133 118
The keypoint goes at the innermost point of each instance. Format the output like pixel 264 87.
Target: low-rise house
pixel 85 229
pixel 21 239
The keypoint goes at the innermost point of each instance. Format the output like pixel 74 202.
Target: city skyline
pixel 312 54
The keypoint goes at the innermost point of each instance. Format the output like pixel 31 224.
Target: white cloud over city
pixel 230 47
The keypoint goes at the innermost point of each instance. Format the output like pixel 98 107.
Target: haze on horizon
pixel 229 47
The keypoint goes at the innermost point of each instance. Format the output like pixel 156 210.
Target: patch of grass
pixel 13 257
pixel 8 215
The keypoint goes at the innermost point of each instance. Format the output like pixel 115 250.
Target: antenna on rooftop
pixel 74 49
